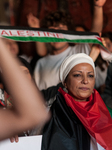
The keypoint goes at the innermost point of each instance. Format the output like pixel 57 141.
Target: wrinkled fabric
pixel 95 117
pixel 64 131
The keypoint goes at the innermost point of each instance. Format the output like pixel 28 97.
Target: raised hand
pixel 99 3
pixel 33 21
pixel 103 41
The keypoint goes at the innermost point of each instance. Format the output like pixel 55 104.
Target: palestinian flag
pixel 95 117
pixel 26 34
pixel 49 35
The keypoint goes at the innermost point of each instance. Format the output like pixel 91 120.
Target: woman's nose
pixel 85 80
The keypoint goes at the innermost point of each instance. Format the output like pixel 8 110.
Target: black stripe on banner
pixel 50 30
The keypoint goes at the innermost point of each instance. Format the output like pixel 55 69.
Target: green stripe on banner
pixel 52 39
pixel 110 110
pixel 49 35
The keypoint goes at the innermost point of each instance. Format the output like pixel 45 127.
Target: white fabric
pixel 94 145
pixel 106 55
pixel 100 76
pixel 46 72
pixel 28 59
pixel 72 61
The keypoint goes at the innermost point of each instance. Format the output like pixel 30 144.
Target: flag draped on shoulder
pixel 95 117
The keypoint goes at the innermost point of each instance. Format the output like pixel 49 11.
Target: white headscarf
pixel 72 61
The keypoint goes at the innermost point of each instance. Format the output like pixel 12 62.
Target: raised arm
pixel 35 23
pixel 28 106
pixel 97 23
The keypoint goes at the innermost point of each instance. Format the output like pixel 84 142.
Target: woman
pixel 80 119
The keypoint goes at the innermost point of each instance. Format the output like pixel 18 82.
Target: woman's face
pixel 80 81
pixel 59 47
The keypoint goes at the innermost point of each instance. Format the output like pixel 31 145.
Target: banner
pixel 49 35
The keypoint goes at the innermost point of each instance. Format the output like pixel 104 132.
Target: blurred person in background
pixel 26 113
pixel 47 68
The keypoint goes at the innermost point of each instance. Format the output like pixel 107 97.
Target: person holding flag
pixel 47 68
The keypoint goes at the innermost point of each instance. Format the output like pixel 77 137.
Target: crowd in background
pixel 45 71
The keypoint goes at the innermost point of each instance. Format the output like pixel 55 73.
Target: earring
pixel 65 89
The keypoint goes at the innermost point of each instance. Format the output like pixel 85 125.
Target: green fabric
pixel 52 39
pixel 110 110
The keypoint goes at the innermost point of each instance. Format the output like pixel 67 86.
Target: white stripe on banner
pixel 27 33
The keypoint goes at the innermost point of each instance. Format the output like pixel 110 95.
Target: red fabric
pixel 2 103
pixel 95 116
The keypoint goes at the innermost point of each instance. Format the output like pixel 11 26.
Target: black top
pixel 50 93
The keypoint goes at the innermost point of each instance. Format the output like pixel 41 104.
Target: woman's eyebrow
pixel 91 72
pixel 77 71
pixel 81 71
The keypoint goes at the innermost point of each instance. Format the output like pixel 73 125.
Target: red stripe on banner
pixel 99 38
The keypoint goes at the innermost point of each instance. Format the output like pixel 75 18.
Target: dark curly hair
pixel 56 18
